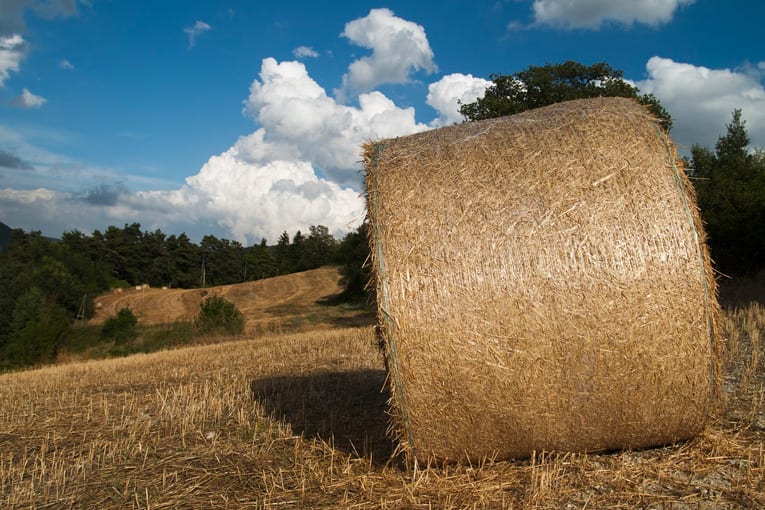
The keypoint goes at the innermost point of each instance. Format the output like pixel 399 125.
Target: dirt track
pixel 262 302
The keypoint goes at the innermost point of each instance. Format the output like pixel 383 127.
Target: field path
pixel 263 302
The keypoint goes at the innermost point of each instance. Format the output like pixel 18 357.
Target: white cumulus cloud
pixel 300 118
pixel 591 14
pixel 66 65
pixel 254 200
pixel 12 50
pixel 446 94
pixel 701 100
pixel 398 46
pixel 29 100
pixel 299 168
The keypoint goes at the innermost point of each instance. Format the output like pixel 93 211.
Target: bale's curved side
pixel 543 284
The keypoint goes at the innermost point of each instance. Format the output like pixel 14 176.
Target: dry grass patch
pixel 298 421
pixel 301 297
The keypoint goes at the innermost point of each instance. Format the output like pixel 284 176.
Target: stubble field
pixel 298 421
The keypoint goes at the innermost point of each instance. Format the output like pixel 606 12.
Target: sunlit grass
pixel 298 421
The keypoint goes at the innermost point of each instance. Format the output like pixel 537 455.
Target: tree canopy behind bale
pixel 543 283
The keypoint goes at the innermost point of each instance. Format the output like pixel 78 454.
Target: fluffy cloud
pixel 255 200
pixel 591 14
pixel 194 31
pixel 66 65
pixel 446 94
pixel 304 51
pixel 299 168
pixel 300 119
pixel 29 100
pixel 398 48
pixel 701 100
pixel 12 49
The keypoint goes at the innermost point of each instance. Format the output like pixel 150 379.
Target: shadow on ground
pixel 739 291
pixel 345 407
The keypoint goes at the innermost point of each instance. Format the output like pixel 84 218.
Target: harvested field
pixel 298 421
pixel 264 303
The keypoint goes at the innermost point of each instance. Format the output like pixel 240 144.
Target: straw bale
pixel 543 284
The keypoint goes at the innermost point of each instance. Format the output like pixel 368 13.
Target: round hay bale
pixel 543 284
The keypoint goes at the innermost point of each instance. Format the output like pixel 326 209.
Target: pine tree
pixel 730 185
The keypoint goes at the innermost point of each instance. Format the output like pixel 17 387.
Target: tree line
pixel 130 256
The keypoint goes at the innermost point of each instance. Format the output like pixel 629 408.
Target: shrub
pixel 122 327
pixel 38 328
pixel 218 315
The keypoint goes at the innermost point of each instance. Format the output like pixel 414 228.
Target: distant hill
pixel 5 236
pixel 276 303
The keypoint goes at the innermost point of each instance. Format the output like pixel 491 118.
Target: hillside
pixel 266 304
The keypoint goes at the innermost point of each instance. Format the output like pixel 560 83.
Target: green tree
pixel 37 330
pixel 260 261
pixel 83 258
pixel 44 283
pixel 121 328
pixel 353 253
pixel 156 272
pixel 219 315
pixel 282 252
pixel 224 262
pixel 183 264
pixel 295 262
pixel 286 252
pixel 730 187
pixel 318 249
pixel 538 86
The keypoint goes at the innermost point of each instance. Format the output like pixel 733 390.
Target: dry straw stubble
pixel 543 284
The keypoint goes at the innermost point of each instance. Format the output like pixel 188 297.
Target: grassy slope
pixel 267 304
pixel 298 421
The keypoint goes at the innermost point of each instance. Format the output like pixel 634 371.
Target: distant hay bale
pixel 543 284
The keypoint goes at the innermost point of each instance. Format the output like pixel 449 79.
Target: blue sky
pixel 243 119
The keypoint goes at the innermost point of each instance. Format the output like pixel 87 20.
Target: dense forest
pixel 48 284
